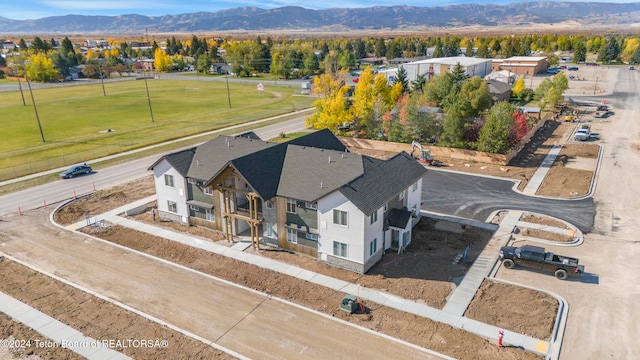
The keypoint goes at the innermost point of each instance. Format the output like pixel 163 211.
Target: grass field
pixel 75 119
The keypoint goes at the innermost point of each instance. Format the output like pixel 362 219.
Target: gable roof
pixel 399 218
pixel 214 155
pixel 180 161
pixel 262 169
pixel 382 181
pixel 323 139
pixel 309 173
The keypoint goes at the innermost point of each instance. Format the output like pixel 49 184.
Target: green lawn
pixel 75 119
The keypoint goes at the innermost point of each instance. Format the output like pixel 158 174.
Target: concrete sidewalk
pixel 451 315
pixel 537 178
pixel 60 334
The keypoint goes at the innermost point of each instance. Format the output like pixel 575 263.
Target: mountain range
pixel 532 14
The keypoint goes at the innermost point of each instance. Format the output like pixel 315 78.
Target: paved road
pixel 604 308
pixel 108 177
pixel 476 197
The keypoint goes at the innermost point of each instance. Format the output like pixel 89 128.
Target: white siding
pixel 352 234
pixel 413 198
pixel 373 231
pixel 166 193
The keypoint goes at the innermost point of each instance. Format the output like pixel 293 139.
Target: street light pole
pixel 144 75
pixel 35 109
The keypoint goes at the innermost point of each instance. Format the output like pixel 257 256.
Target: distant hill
pixel 585 14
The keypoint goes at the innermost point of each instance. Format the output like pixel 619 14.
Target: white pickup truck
pixel 582 135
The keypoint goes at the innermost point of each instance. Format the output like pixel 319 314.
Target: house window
pixel 207 190
pixel 386 207
pixel 373 247
pixel 173 206
pixel 292 235
pixel 339 249
pixel 168 180
pixel 194 208
pixel 291 206
pixel 311 236
pixel 401 196
pixel 311 205
pixel 209 214
pixel 415 186
pixel 340 217
pixel 192 181
pixel 374 216
pixel 269 204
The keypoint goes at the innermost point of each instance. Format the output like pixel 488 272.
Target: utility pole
pixel 104 93
pixel 21 93
pixel 34 107
pixel 228 93
pixel 595 88
pixel 144 75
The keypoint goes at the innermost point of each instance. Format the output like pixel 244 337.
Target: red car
pixel 356 80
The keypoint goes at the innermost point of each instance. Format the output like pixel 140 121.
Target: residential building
pixel 500 91
pixel 308 195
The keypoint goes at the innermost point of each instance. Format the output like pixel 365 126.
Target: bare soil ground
pixel 534 315
pixel 93 317
pixel 541 234
pixel 423 332
pixel 543 220
pixel 22 342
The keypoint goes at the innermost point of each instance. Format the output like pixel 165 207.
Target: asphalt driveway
pixel 476 197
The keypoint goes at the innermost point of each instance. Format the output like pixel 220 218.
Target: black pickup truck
pixel 535 257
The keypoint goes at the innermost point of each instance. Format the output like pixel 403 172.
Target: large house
pixel 308 195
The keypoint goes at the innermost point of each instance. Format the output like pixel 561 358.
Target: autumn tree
pixel 474 97
pixel 331 105
pixel 40 68
pixel 518 87
pixel 161 60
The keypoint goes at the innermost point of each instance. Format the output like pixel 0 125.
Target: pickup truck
pixel 582 135
pixel 535 257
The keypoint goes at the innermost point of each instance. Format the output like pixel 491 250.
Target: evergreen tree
pixel 401 78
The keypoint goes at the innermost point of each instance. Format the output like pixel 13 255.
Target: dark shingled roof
pixel 262 169
pixel 323 139
pixel 214 155
pixel 309 174
pixel 381 181
pixel 399 218
pixel 178 160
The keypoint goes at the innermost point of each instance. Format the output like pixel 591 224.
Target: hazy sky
pixel 35 9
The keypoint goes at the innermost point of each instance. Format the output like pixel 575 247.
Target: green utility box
pixel 349 304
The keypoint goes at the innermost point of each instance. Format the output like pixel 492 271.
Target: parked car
pixel 573 68
pixel 602 108
pixel 535 257
pixel 631 68
pixel 76 170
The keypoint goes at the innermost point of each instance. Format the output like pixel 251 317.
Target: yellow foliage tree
pixel 630 45
pixel 114 52
pixel 518 87
pixel 331 106
pixel 40 68
pixel 91 54
pixel 162 61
